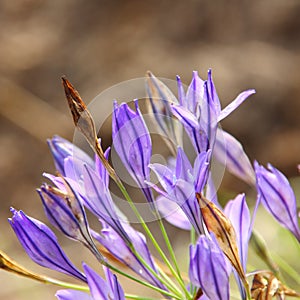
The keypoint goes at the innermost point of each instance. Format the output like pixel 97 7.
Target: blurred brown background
pixel 97 44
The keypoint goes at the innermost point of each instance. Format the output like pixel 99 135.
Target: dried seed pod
pixel 265 286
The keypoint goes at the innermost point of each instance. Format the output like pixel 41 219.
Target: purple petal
pixel 41 244
pixel 209 112
pixel 99 288
pixel 277 196
pixel 215 102
pixel 235 103
pixel 194 95
pixel 58 181
pixel 132 142
pixel 129 126
pixel 201 169
pixel 230 153
pixel 165 176
pixel 181 93
pixel 66 213
pixel 185 116
pixel 172 213
pixel 210 191
pixel 185 196
pixel 183 166
pixel 61 148
pixel 74 170
pixel 208 268
pixel 190 122
pixel 97 199
pixel 114 284
pixel 203 297
pixel 72 295
pixel 238 212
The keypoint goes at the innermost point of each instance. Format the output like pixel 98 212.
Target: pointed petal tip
pixel 13 210
pixel 149 74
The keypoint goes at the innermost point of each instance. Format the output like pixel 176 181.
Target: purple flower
pixel 65 211
pixel 277 196
pixel 200 110
pixel 112 241
pixel 41 244
pixel 208 268
pixel 99 288
pixel 181 184
pixel 132 142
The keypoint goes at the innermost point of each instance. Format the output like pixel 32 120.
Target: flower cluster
pixel 184 195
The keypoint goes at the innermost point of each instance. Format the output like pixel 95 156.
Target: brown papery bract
pixel 217 223
pixel 83 120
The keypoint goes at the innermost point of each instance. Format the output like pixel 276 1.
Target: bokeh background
pixel 97 44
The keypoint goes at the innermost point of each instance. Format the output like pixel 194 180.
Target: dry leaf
pixel 216 222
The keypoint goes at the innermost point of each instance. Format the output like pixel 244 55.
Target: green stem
pixel 287 268
pixel 129 296
pixel 193 236
pixel 167 278
pixel 153 287
pixel 247 288
pixel 173 257
pixel 67 284
pixel 149 234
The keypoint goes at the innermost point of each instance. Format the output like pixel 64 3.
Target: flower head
pixel 182 183
pixel 200 110
pixel 41 244
pixel 277 196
